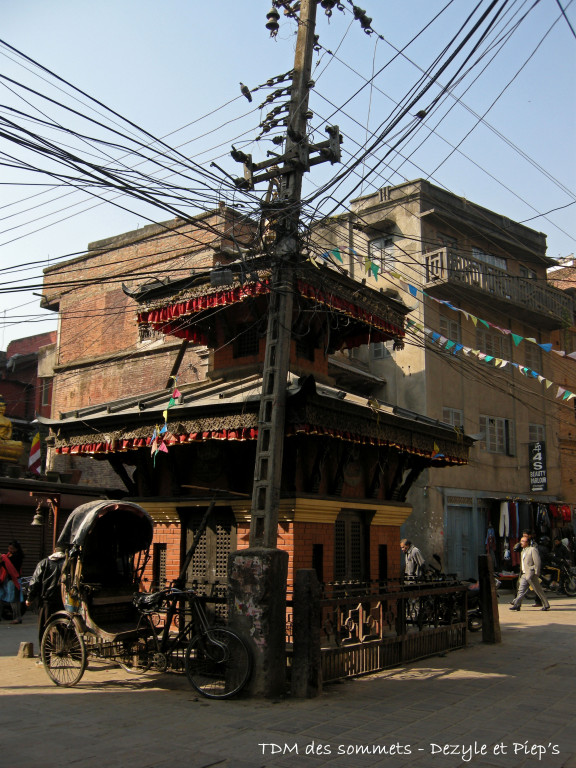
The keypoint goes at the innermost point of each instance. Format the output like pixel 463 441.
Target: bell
pixel 328 5
pixel 272 24
pixel 38 519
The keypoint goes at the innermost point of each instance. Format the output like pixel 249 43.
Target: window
pixel 446 241
pixel 147 333
pixel 305 347
pixel 532 356
pixel 247 342
pixel 453 416
pixel 45 391
pixel 536 433
pixel 450 329
pixel 350 546
pixel 488 258
pixel 381 250
pixel 494 344
pixel 527 274
pixel 381 350
pixel 159 552
pixel 499 435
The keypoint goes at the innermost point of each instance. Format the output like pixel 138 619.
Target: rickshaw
pixel 107 618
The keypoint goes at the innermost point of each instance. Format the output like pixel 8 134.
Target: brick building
pixel 563 277
pixel 348 461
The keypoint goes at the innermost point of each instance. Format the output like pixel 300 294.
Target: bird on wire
pixel 245 91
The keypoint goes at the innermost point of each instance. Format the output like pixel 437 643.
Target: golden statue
pixel 10 450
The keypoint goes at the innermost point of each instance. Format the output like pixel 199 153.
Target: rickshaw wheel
pixel 138 655
pixel 63 652
pixel 218 663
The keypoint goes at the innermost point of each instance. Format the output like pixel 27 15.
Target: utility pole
pixel 258 575
pixel 271 419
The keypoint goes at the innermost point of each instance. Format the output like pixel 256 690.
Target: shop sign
pixel 538 479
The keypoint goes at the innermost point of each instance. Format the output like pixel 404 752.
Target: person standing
pixel 45 585
pixel 530 566
pixel 10 570
pixel 414 562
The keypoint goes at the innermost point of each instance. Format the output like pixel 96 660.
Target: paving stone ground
pixel 510 705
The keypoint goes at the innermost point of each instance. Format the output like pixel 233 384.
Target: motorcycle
pixel 557 575
pixel 474 613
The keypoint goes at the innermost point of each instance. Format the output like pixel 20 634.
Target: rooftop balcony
pixel 450 275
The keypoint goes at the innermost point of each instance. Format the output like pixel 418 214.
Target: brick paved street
pixel 520 694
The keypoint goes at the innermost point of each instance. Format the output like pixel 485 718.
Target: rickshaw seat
pixel 112 609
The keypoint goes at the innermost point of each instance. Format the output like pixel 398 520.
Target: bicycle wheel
pixel 137 655
pixel 218 663
pixel 63 652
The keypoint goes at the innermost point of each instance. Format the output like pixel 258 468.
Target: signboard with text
pixel 538 478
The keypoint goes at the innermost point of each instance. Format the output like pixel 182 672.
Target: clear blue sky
pixel 171 67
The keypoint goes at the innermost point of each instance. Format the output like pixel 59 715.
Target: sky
pixel 500 127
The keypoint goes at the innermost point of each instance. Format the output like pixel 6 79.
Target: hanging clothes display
pixel 504 528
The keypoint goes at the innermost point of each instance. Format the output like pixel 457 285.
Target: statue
pixel 10 450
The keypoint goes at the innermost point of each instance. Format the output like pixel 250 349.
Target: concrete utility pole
pixel 271 420
pixel 257 575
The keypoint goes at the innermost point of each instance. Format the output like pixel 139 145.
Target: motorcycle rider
pixel 530 568
pixel 561 551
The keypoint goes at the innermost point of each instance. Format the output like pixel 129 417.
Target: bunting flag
pixel 157 443
pixel 35 460
pixel 436 454
pixel 337 255
pixel 375 269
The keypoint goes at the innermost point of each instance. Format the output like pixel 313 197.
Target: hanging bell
pixel 272 24
pixel 38 519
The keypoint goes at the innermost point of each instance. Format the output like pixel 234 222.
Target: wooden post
pixel 306 659
pixel 489 601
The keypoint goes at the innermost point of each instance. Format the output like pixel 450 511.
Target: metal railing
pixel 374 626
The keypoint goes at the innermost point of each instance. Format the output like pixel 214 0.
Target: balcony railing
pixel 445 268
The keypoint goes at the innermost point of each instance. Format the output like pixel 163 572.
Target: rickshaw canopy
pixel 128 524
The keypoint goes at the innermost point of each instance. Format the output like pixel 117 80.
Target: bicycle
pixel 217 661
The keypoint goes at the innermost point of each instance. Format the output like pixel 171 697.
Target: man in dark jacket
pixel 46 587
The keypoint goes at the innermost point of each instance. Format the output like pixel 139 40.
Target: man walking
pixel 414 562
pixel 530 566
pixel 45 585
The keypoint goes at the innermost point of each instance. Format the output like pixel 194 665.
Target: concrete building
pixel 477 357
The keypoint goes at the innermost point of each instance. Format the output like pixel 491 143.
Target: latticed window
pixel 209 566
pixel 158 566
pixel 210 561
pixel 350 542
pixel 247 342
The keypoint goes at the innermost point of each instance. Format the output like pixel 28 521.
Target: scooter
pixel 474 614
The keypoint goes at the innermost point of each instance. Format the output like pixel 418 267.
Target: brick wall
pixel 99 356
pixel 30 343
